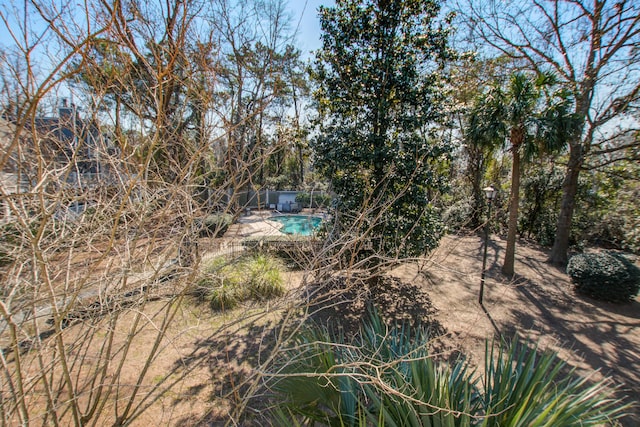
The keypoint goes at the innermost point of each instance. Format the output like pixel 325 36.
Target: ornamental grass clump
pixel 606 276
pixel 226 284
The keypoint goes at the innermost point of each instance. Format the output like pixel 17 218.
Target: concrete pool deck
pixel 255 224
pixel 258 224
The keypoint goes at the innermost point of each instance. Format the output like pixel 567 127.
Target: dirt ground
pixel 199 375
pixel 599 339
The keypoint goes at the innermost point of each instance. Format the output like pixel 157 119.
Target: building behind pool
pixel 281 200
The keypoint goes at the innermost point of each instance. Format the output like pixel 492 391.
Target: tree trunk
pixel 569 190
pixel 514 201
pixel 475 172
pixel 300 161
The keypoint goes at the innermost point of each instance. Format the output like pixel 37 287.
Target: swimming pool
pixel 302 225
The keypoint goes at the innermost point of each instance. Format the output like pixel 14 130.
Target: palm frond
pixel 524 386
pixel 386 377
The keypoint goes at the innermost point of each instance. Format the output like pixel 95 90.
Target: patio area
pixel 256 223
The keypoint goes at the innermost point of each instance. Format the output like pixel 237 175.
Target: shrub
pixel 386 376
pixel 458 215
pixel 319 200
pixel 264 281
pixel 605 276
pixel 225 285
pixel 215 225
pixel 226 296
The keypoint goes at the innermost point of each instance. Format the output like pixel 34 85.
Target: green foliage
pixel 278 182
pixel 607 212
pixel 264 279
pixel 542 185
pixel 227 284
pixel 458 215
pixel 534 117
pixel 226 296
pixel 385 377
pixel 469 76
pixel 215 225
pixel 606 276
pixel 379 92
pixel 527 111
pixel 348 383
pixel 319 200
pixel 526 387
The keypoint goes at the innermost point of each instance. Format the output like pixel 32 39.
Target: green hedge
pixel 606 276
pixel 215 225
pixel 318 200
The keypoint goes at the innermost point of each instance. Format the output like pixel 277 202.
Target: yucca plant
pixel 327 391
pixel 526 387
pixel 424 392
pixel 387 378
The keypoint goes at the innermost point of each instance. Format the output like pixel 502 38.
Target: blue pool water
pixel 302 225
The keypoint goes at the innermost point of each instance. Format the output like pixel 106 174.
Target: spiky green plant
pixel 527 387
pixel 410 388
pixel 320 396
pixel 226 296
pixel 265 280
pixel 386 377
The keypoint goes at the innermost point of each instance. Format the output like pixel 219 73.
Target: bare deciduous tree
pixel 254 78
pixel 102 201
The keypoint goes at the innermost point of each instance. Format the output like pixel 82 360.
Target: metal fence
pixel 264 199
pixel 236 247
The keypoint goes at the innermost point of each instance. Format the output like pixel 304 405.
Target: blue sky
pixel 304 14
pixel 305 18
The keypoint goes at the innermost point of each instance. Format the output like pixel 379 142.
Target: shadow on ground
pixel 224 364
pixel 598 339
pixel 230 358
pixel 345 302
pixel 601 338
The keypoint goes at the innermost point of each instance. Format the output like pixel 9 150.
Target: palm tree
pixel 481 144
pixel 531 118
